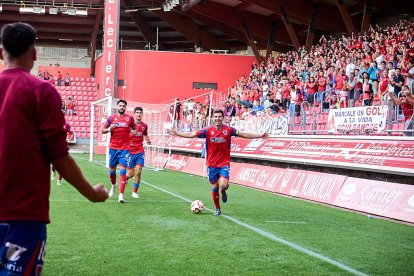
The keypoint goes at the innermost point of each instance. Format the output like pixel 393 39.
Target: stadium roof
pixel 210 24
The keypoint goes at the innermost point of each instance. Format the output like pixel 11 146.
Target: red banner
pixel 187 164
pixel 110 48
pixel 386 199
pixel 393 156
pixel 376 197
pixel 310 185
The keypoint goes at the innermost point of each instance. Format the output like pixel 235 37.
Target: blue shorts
pixel 117 157
pixel 215 173
pixel 135 159
pixel 22 247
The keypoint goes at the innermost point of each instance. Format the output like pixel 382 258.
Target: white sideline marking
pixel 134 200
pixel 285 222
pixel 266 234
pixel 271 236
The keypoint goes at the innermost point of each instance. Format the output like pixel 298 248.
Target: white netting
pixel 190 114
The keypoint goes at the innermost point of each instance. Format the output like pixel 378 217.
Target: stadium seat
pixel 76 79
pixel 82 79
pixel 71 79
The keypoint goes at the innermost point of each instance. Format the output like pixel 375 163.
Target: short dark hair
pixel 138 108
pixel 121 101
pixel 219 111
pixel 17 38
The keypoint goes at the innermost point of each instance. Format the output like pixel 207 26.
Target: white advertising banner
pixel 358 119
pixel 273 125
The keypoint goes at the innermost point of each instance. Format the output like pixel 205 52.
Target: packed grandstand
pixel 299 88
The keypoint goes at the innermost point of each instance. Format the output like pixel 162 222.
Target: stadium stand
pixel 83 92
pixel 339 72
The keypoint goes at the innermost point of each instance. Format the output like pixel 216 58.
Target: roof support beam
pixel 190 4
pixel 202 38
pixel 312 27
pixel 366 19
pixel 300 11
pixel 230 31
pixel 258 26
pixel 271 40
pixel 242 6
pixel 289 27
pixel 252 43
pixel 143 27
pixel 350 27
pixel 94 35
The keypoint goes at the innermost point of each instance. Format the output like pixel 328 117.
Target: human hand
pixel 112 126
pixel 265 135
pixel 171 132
pixel 100 193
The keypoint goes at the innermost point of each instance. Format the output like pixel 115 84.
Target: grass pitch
pixel 158 235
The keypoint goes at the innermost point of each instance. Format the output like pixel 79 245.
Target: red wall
pixel 153 77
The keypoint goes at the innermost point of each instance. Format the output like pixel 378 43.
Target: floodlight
pixel 39 10
pixel 82 12
pixel 26 10
pixel 72 11
pixel 53 10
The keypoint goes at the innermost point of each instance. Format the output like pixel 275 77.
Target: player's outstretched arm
pixel 71 172
pixel 249 135
pixel 182 134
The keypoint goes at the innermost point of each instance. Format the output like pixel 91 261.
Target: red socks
pixel 216 197
pixel 122 183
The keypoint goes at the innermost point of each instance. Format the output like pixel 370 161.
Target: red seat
pixel 82 79
pixel 76 79
pixel 71 78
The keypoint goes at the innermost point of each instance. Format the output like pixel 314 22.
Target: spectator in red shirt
pixel 406 101
pixel 70 106
pixel 31 123
pixel 298 102
pixel 59 79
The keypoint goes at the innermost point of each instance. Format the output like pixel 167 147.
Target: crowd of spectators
pixel 188 115
pixel 338 72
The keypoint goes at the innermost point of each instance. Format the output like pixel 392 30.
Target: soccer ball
pixel 197 206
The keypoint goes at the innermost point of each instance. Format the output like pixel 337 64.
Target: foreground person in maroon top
pixel 31 137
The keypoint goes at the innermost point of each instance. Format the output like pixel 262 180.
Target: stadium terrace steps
pixel 83 90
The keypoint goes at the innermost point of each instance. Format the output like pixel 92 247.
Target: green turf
pixel 158 235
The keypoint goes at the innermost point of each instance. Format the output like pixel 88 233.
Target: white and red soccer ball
pixel 197 206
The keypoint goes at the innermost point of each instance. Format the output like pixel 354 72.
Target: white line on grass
pixel 285 222
pixel 129 201
pixel 266 234
pixel 271 236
